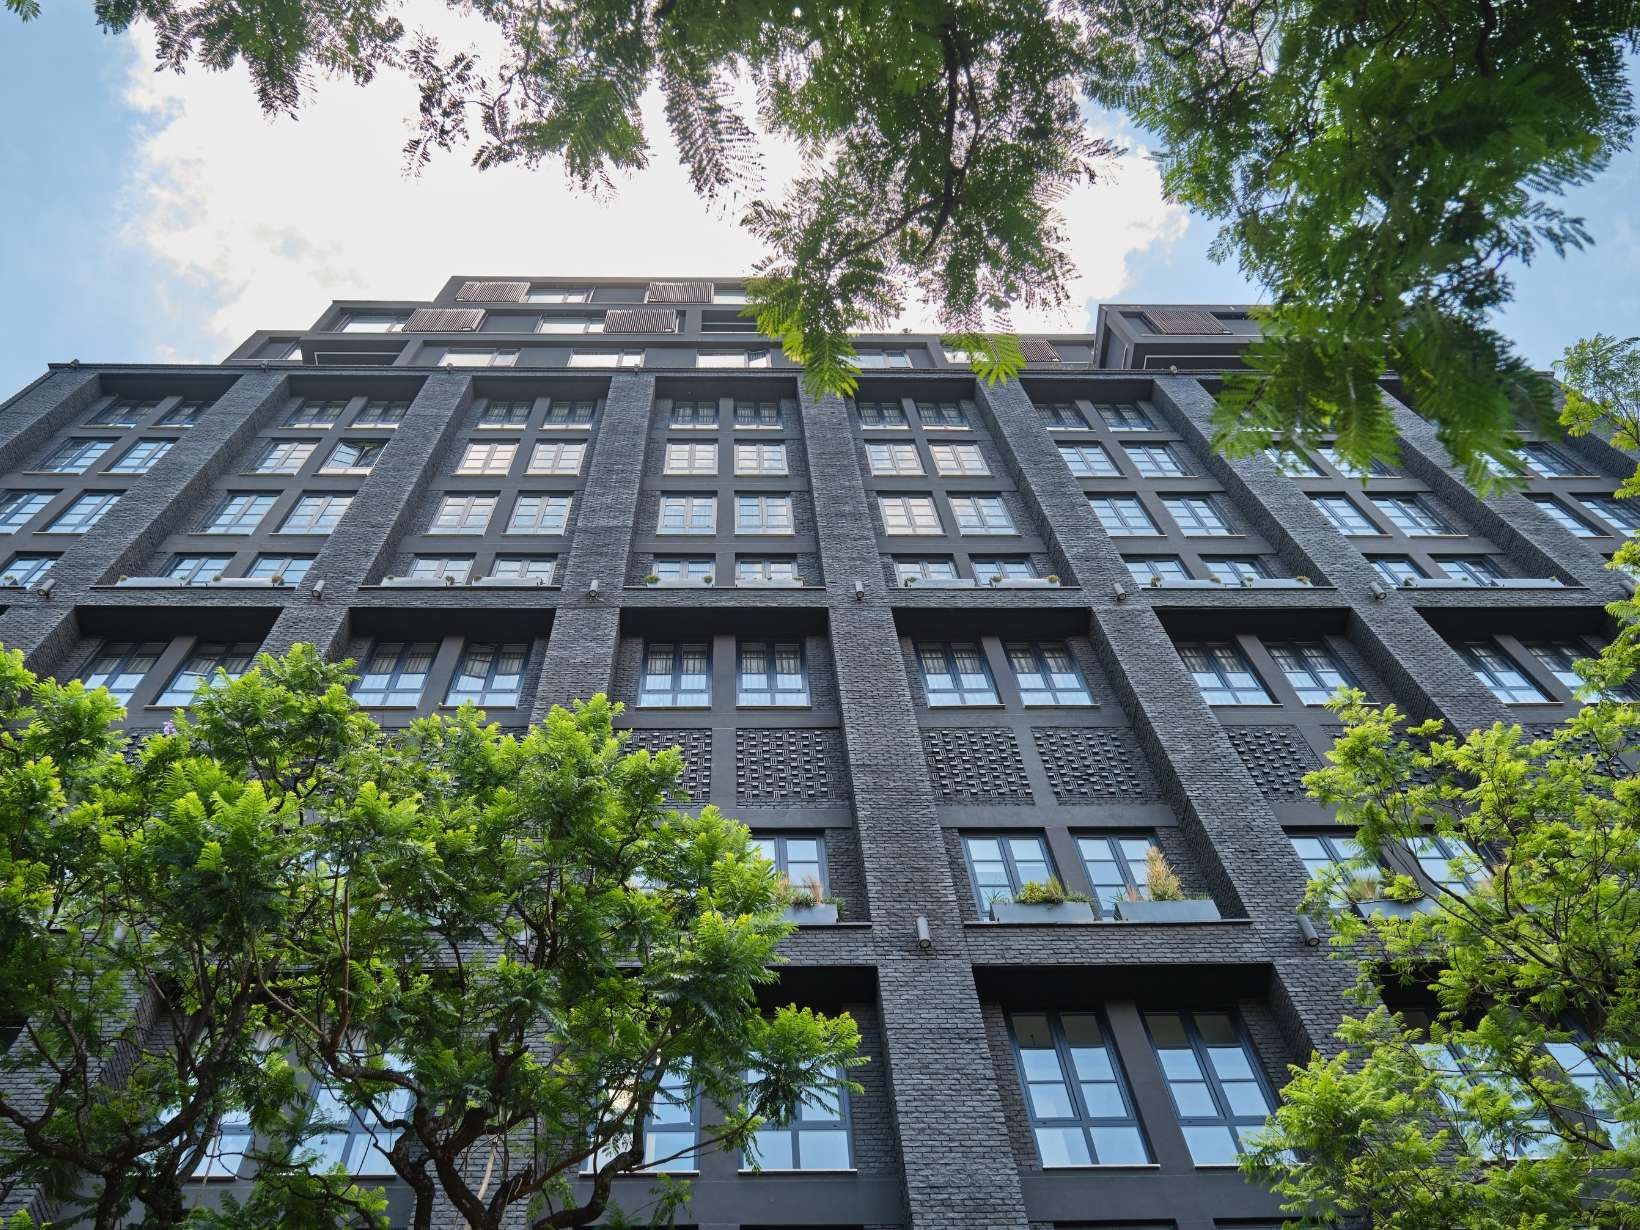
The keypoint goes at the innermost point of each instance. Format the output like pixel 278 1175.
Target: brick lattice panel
pixel 976 766
pixel 697 755
pixel 790 767
pixel 1278 757
pixel 1096 762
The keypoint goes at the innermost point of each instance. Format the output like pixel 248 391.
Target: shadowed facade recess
pixel 931 643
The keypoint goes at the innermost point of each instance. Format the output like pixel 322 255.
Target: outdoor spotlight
pixel 1121 592
pixel 1307 929
pixel 592 589
pixel 318 591
pixel 859 591
pixel 1379 592
pixel 925 941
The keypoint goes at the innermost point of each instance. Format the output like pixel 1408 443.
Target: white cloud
pixel 265 221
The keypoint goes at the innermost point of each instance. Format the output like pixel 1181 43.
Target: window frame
pixel 676 694
pixel 1071 1082
pixel 799 697
pixel 947 650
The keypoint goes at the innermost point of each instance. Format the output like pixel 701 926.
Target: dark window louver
pixel 640 320
pixel 492 292
pixel 444 320
pixel 1038 350
pixel 679 292
pixel 1185 322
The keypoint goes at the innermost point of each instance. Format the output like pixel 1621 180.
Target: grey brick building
pixel 930 643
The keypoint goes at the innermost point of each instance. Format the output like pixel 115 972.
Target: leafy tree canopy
pixel 1379 168
pixel 491 951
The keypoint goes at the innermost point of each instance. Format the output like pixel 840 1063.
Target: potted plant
pixel 1165 900
pixel 707 579
pixel 649 578
pixel 807 904
pixel 1399 898
pixel 1052 578
pixel 1043 901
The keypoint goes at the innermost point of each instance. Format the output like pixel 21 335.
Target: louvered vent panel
pixel 1185 322
pixel 492 292
pixel 679 292
pixel 640 320
pixel 444 320
pixel 1038 350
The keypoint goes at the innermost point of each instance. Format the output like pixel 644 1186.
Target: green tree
pixel 1379 168
pixel 483 947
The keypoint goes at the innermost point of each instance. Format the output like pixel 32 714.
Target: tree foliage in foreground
pixel 491 949
pixel 1379 168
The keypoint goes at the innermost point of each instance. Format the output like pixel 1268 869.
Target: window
pixel 372 322
pixel 1499 672
pixel 183 414
pixel 875 359
pixel 1061 416
pixel 525 569
pixel 800 861
pixel 1377 469
pixel 1475 569
pixel 1117 866
pixel 758 414
pixel 771 673
pixel 1197 516
pixel 1148 569
pixel 120 667
pixel 1346 518
pixel 941 416
pixel 691 459
pixel 486 358
pixel 955 674
pixel 1000 865
pixel 1397 569
pixel 893 457
pixel 1126 418
pixel 566 412
pixel 377 413
pixel 1122 515
pixel 26 569
pixel 122 412
pixel 959 460
pixel 316 514
pixel 1567 519
pixel 504 415
pixel 456 568
pixel 1081 1112
pixel 1334 857
pixel 357 1139
pixel 18 508
pixel 1547 461
pixel 1217 1093
pixel 1089 461
pixel 880 413
pixel 1292 462
pixel 86 510
pixel 557 294
pixel 569 324
pixel 669 1134
pixel 487 458
pixel 1047 674
pixel 914 569
pixel 1557 658
pixel 781 570
pixel 1448 862
pixel 141 456
pixel 763 514
pixel 394 674
pixel 688 514
pixel 676 570
pixel 1235 569
pixel 240 512
pixel 291 567
pixel 283 456
pixel 1223 674
pixel 463 514
pixel 539 514
pixel 1312 668
pixel 909 514
pixel 816 1138
pixel 313 413
pixel 731 358
pixel 694 414
pixel 208 658
pixel 74 456
pixel 981 514
pixel 767 459
pixel 1411 515
pixel 1623 515
pixel 676 676
pixel 1155 461
pixel 557 457
pixel 198 569
pixel 489 674
pixel 998 568
pixel 353 457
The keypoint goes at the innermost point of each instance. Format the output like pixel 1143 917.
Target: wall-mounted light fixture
pixel 925 941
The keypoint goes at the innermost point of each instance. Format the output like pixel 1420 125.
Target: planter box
pixel 1182 583
pixel 940 583
pixel 822 915
pixel 416 583
pixel 766 584
pixel 1276 583
pixel 245 583
pixel 1394 909
pixel 1025 583
pixel 511 582
pixel 1064 912
pixel 149 583
pixel 678 584
pixel 1529 583
pixel 1191 910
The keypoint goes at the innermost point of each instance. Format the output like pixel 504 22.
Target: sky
pixel 152 217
